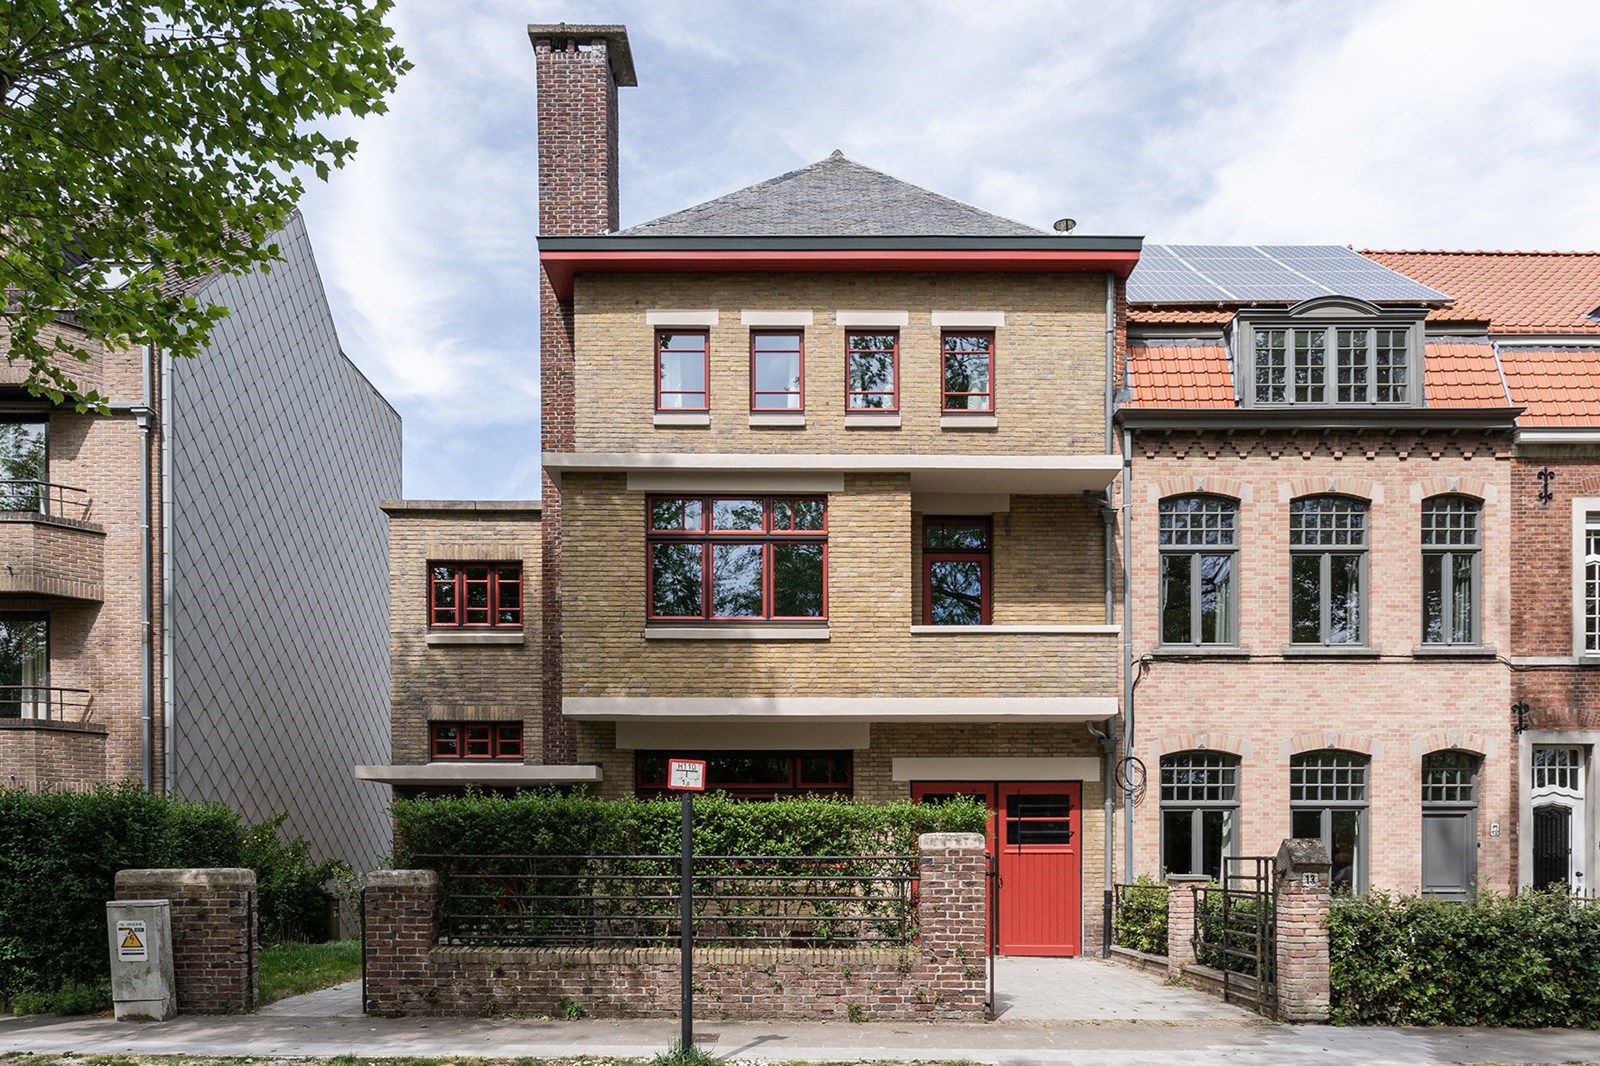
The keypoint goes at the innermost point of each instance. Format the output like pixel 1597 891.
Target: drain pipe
pixel 142 415
pixel 1127 643
pixel 1106 734
pixel 1111 399
pixel 168 737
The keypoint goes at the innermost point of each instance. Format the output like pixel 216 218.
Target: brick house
pixel 1537 315
pixel 1321 514
pixel 193 511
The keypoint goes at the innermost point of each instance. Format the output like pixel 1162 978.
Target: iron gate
pixel 1235 932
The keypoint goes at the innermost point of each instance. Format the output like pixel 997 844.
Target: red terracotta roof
pixel 1513 292
pixel 1182 316
pixel 1187 375
pixel 1462 375
pixel 1558 386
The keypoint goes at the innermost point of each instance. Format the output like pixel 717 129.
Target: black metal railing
pixel 633 900
pixel 44 497
pixel 1235 931
pixel 1138 918
pixel 45 703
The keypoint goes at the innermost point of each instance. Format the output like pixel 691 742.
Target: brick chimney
pixel 579 69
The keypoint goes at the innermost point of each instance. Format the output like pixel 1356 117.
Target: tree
pixel 147 145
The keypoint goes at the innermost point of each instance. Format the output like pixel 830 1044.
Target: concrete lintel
pixel 911 709
pixel 468 772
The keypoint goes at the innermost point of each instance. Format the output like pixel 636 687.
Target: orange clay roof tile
pixel 1512 292
pixel 1194 376
pixel 1558 386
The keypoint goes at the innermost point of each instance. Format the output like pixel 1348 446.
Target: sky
pixel 1401 124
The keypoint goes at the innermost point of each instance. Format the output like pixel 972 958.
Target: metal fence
pixel 1235 931
pixel 1137 918
pixel 45 704
pixel 44 497
pixel 633 900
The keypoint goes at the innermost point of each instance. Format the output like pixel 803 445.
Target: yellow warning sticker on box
pixel 131 943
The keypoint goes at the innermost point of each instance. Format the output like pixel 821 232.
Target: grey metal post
pixel 686 925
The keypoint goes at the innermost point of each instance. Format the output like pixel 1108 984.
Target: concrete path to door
pixel 1093 990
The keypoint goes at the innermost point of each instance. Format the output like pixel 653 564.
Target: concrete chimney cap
pixel 618 54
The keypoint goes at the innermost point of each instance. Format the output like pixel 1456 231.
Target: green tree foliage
pixel 148 144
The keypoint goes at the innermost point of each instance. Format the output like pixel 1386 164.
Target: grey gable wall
pixel 280 452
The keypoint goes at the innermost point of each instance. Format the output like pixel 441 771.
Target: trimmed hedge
pixel 1140 923
pixel 1522 961
pixel 547 823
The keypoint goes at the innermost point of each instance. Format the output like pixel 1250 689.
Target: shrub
pixel 291 902
pixel 1523 961
pixel 1141 919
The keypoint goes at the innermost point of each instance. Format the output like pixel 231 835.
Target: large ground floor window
pixel 754 775
pixel 1328 802
pixel 1199 811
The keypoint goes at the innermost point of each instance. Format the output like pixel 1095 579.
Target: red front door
pixel 1035 829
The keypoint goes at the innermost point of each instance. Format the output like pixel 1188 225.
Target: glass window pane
pixel 736 580
pixel 796 580
pixel 737 515
pixel 1271 366
pixel 955 592
pixel 1433 599
pixel 675 514
pixel 809 515
pixel 1177 841
pixel 775 342
pixel 1305 599
pixel 1211 838
pixel 777 375
pixel 1306 825
pixel 943 534
pixel 1039 819
pixel 871 372
pixel 966 373
pixel 1461 598
pixel 1216 599
pixel 1345 848
pixel 676 574
pixel 1196 521
pixel 1344 599
pixel 683 372
pixel 1175 602
pixel 22 462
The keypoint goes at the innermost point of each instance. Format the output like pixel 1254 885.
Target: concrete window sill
pixel 787 419
pixel 436 639
pixel 998 631
pixel 979 420
pixel 1453 651
pixel 872 420
pixel 1331 651
pixel 1201 651
pixel 736 632
pixel 688 418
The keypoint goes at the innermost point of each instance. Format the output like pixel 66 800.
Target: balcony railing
pixel 44 497
pixel 45 704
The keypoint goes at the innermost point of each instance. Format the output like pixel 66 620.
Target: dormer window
pixel 1339 360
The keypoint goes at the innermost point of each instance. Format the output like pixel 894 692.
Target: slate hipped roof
pixel 835 197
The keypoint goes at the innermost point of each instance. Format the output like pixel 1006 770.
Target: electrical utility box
pixel 143 988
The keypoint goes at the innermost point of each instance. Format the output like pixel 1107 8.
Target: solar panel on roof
pixel 1221 273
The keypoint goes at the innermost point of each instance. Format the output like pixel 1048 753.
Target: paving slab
pixel 1095 990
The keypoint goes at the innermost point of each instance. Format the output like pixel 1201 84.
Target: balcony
pixel 47 739
pixel 48 547
pixel 41 703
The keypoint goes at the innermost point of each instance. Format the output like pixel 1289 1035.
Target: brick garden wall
pixel 214 934
pixel 943 977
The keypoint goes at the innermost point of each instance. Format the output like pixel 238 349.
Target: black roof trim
pixel 1320 418
pixel 1043 243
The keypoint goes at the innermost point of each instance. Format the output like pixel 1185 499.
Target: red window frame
pixel 459 582
pixel 944 358
pixel 800 352
pixel 893 393
pixel 769 537
pixel 475 741
pixel 795 784
pixel 704 335
pixel 983 556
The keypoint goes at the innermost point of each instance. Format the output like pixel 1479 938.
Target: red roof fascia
pixel 562 266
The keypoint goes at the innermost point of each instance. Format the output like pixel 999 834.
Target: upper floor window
pixel 956 573
pixel 1590 582
pixel 872 371
pixel 475 740
pixel 1327 570
pixel 738 558
pixel 1450 575
pixel 683 370
pixel 475 594
pixel 24 665
pixel 777 371
pixel 1332 365
pixel 1199 549
pixel 24 464
pixel 969 372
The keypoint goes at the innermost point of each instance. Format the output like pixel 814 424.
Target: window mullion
pixel 1325 595
pixel 1196 633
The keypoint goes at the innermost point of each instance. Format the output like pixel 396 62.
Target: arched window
pixel 1450 569
pixel 1328 802
pixel 1327 570
pixel 1449 824
pixel 1199 543
pixel 1199 811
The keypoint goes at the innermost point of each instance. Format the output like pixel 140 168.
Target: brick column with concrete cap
pixel 399 931
pixel 1180 920
pixel 953 900
pixel 1302 931
pixel 215 954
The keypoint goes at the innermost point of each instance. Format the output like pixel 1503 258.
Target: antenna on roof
pixel 1065 225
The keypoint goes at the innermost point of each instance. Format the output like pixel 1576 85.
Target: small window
pixel 753 775
pixel 476 740
pixel 1450 543
pixel 24 666
pixel 726 558
pixel 24 465
pixel 1558 769
pixel 777 371
pixel 1591 582
pixel 475 595
pixel 1198 540
pixel 956 561
pixel 1199 811
pixel 683 370
pixel 1327 570
pixel 969 371
pixel 1328 802
pixel 872 371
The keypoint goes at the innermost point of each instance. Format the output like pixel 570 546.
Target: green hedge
pixel 1524 961
pixel 1140 923
pixel 60 853
pixel 546 823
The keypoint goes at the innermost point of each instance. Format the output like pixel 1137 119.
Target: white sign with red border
pixel 687 775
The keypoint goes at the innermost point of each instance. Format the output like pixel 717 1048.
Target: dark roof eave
pixel 1320 418
pixel 1044 242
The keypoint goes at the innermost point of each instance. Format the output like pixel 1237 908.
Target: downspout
pixel 1105 733
pixel 168 737
pixel 1111 399
pixel 142 414
pixel 1127 643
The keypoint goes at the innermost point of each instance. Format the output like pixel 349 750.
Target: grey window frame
pixel 1194 552
pixel 1325 575
pixel 1326 316
pixel 1447 553
pixel 1326 806
pixel 1230 765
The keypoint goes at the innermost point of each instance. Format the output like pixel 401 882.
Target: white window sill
pixel 688 418
pixel 1331 651
pixel 872 420
pixel 736 632
pixel 988 631
pixel 1453 651
pixel 474 637
pixel 976 420
pixel 777 418
pixel 1201 651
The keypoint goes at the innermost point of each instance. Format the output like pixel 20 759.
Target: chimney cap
pixel 618 54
